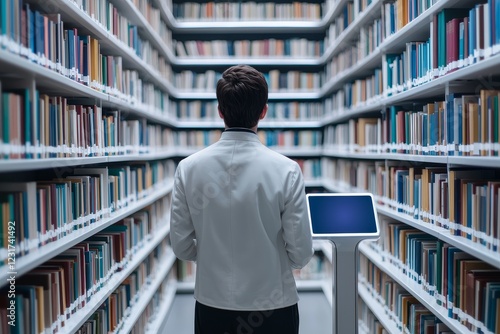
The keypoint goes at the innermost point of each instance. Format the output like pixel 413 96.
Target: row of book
pixel 464 201
pixel 393 16
pixel 368 39
pixel 270 138
pixel 465 286
pixel 148 9
pixel 350 11
pixel 407 313
pixel 50 209
pixel 369 323
pixel 363 91
pixel 462 125
pixel 45 40
pixel 151 314
pixel 36 126
pixel 459 37
pixel 187 110
pixel 227 10
pixel 47 297
pixel 311 168
pixel 111 315
pixel 276 79
pixel 272 47
pixel 108 16
pixel 358 135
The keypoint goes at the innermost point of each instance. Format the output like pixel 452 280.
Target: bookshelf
pixel 353 89
pixel 351 83
pixel 101 196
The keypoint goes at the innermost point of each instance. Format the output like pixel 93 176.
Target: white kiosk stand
pixel 345 220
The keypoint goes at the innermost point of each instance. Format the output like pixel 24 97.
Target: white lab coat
pixel 239 210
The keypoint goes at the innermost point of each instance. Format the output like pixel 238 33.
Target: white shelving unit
pixel 79 319
pixel 147 294
pixel 18 68
pixel 416 290
pixel 377 308
pixel 48 251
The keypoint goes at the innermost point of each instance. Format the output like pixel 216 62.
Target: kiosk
pixel 345 219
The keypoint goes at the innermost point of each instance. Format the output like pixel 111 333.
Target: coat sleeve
pixel 182 233
pixel 295 221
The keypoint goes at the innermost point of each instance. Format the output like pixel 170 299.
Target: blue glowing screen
pixel 349 214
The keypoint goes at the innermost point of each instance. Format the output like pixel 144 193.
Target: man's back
pixel 248 211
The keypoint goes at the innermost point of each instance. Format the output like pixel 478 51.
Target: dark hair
pixel 242 95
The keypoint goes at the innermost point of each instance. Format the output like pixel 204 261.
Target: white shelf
pixel 473 248
pixel 79 318
pixel 137 18
pixel 16 165
pixel 52 82
pixel 370 13
pixel 264 124
pixel 148 292
pixel 416 290
pixel 364 65
pixel 185 287
pixel 109 42
pixel 285 95
pixel 385 156
pixel 253 61
pixel 161 316
pixel 313 182
pixel 38 256
pixel 302 285
pixel 474 161
pixel 377 309
pixel 419 28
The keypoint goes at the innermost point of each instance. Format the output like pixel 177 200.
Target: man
pixel 239 211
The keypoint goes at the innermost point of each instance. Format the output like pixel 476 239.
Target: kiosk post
pixel 344 220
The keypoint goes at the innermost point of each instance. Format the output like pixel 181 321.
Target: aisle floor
pixel 314 309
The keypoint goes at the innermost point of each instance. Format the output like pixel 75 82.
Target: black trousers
pixel 210 320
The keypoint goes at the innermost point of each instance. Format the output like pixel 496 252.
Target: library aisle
pixel 314 309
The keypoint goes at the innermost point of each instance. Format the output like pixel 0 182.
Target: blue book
pixel 30 27
pixel 492 294
pixel 71 49
pixel 27 121
pixel 450 275
pixel 472 30
pixel 496 26
pixel 461 31
pixel 40 31
pixel 13 20
pixel 431 260
pixel 3 17
pixel 392 18
pixel 491 6
pixel 19 327
pixel 29 292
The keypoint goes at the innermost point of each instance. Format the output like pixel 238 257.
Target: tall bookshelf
pixel 367 148
pixel 86 167
pixel 279 46
pixel 362 121
pixel 380 134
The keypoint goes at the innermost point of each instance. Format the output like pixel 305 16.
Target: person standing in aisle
pixel 239 210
